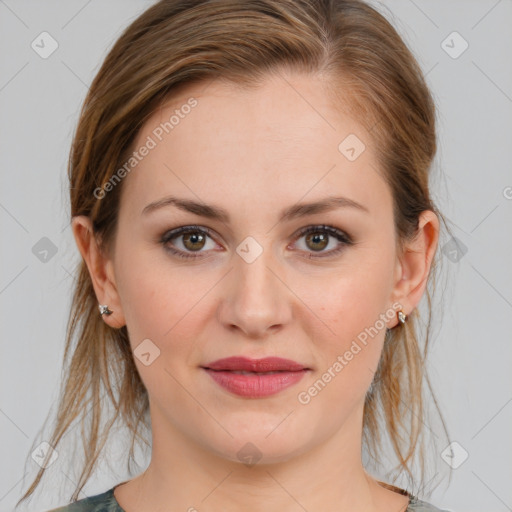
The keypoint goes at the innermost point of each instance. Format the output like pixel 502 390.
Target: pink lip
pixel 257 385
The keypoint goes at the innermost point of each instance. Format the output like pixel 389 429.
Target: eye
pixel 192 239
pixel 317 238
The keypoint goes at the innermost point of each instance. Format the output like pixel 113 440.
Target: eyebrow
pixel 290 213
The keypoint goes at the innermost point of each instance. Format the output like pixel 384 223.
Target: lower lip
pixel 255 386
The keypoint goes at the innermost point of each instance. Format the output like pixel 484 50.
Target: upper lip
pixel 267 364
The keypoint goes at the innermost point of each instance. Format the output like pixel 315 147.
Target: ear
pixel 413 265
pixel 100 268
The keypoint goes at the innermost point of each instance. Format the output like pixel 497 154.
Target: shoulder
pixel 104 502
pixel 417 505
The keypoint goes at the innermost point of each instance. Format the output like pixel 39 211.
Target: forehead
pixel 282 141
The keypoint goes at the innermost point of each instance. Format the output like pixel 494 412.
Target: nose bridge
pixel 258 299
pixel 255 281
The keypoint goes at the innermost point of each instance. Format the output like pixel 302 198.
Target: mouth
pixel 255 378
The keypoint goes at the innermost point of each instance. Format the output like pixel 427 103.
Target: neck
pixel 183 475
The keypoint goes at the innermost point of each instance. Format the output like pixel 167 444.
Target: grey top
pixel 106 502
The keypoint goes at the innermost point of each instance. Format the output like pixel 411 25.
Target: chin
pixel 259 448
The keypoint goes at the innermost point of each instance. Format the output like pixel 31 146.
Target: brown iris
pixel 317 238
pixel 195 239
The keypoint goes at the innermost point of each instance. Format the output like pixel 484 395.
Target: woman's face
pixel 250 284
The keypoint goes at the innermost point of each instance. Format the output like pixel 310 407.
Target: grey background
pixel 472 350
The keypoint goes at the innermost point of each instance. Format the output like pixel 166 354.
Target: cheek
pixel 353 306
pixel 144 300
pixel 161 304
pixel 152 294
pixel 164 303
pixel 352 297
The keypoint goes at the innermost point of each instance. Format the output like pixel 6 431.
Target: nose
pixel 256 299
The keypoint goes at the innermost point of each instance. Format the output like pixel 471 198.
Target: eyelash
pixel 343 238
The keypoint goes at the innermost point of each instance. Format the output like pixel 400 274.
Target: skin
pixel 254 153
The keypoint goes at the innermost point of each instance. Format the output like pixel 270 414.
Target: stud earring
pixel 104 309
pixel 402 317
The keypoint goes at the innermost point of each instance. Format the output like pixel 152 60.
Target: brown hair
pixel 179 42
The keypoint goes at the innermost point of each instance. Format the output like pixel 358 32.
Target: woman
pixel 249 193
